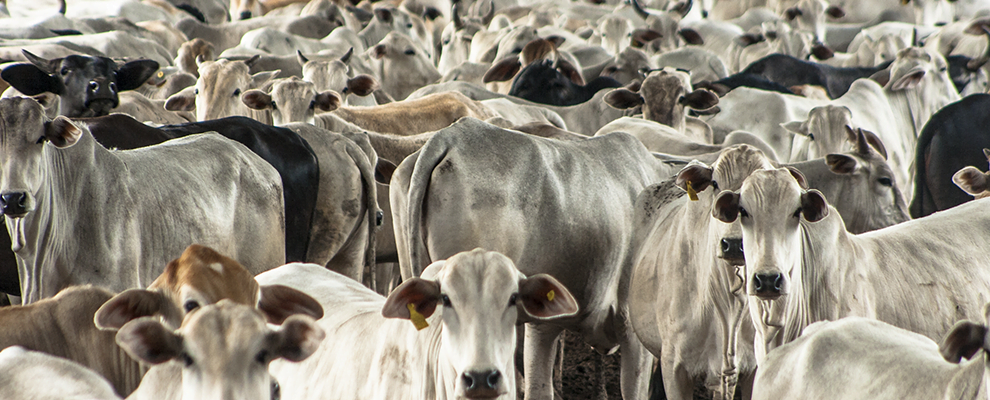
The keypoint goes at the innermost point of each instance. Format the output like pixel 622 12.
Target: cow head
pixel 199 277
pixel 663 32
pixel 404 66
pixel 974 181
pixel 292 100
pixel 483 297
pixel 931 13
pixel 825 130
pixel 627 65
pixel 246 9
pixel 224 349
pixel 615 34
pixel 336 75
pixel 770 207
pixel 193 53
pixel 810 16
pixel 88 86
pixel 455 39
pixel 218 91
pixel 665 95
pixel 24 131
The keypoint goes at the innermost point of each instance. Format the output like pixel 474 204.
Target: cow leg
pixel 636 364
pixel 677 381
pixel 539 351
pixel 746 385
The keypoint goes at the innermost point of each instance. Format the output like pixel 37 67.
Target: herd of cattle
pixel 413 199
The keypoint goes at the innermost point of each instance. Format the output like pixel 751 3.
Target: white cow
pixel 99 230
pixel 39 376
pixel 860 358
pixel 803 266
pixel 460 344
pixel 220 352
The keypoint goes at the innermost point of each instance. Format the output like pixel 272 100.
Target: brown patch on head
pixel 192 53
pixel 211 274
pixel 661 92
pixel 537 49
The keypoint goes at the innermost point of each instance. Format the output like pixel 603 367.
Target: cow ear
pixel 701 99
pixel 133 304
pixel 420 293
pixel 963 341
pixel 362 85
pixel 642 36
pixel 865 137
pixel 62 132
pixel 799 177
pixel 298 338
pixel 379 51
pixel 813 205
pixel 383 171
pixel 623 98
pixel 571 72
pixel 261 79
pixel 279 302
pixel 384 14
pixel 798 127
pixel 249 62
pixel 30 80
pixel 841 163
pixel 835 12
pixel 691 36
pixel 327 101
pixel 557 41
pixel 503 70
pixel 147 340
pixel 726 208
pixel 792 13
pixel 182 101
pixel 908 81
pixel 347 56
pixel 971 180
pixel 257 100
pixel 696 174
pixel 542 297
pixel 133 74
pixel 747 39
pixel 882 77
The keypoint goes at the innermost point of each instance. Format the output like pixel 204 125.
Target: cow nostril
pixel 245 15
pixel 493 378
pixel 778 282
pixel 725 246
pixel 379 217
pixel 113 87
pixel 468 381
pixel 93 85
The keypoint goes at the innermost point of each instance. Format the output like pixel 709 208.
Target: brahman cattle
pixel 460 342
pixel 974 181
pixel 473 184
pixel 221 351
pixel 35 375
pixel 803 266
pixel 78 213
pixel 87 86
pixel 852 358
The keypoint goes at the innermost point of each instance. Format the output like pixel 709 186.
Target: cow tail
pixel 371 197
pixel 428 158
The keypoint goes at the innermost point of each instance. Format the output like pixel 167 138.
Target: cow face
pixel 404 66
pixel 292 100
pixel 224 349
pixel 23 136
pixel 483 297
pixel 665 96
pixel 770 206
pixel 88 86
pixel 810 16
pixel 615 34
pixel 245 9
pixel 825 130
pixel 218 91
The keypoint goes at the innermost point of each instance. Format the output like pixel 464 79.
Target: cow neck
pixel 827 254
pixel 66 200
pixel 966 381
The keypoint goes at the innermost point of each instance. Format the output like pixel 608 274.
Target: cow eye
pixel 797 214
pixel 445 300
pixel 513 298
pixel 41 140
pixel 188 361
pixel 410 52
pixel 262 357
pixel 196 92
pixel 409 25
pixel 65 70
pixel 811 136
pixel 190 305
pixel 274 107
pixel 312 104
pixel 237 92
pixel 743 213
pixel 885 181
pixel 714 185
pixel 517 50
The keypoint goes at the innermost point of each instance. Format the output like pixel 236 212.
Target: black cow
pixel 88 86
pixel 790 71
pixel 542 82
pixel 953 139
pixel 725 85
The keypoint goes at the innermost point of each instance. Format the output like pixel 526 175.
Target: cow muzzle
pixel 15 204
pixel 768 285
pixel 245 15
pixel 482 384
pixel 731 250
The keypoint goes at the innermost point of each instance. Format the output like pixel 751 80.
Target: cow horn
pixel 42 63
pixel 458 23
pixel 487 19
pixel 639 9
pixel 61 7
pixel 250 62
pixel 301 58
pixel 914 38
pixel 347 56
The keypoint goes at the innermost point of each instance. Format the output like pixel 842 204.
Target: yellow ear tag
pixel 691 193
pixel 418 320
pixel 551 295
pixel 161 74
